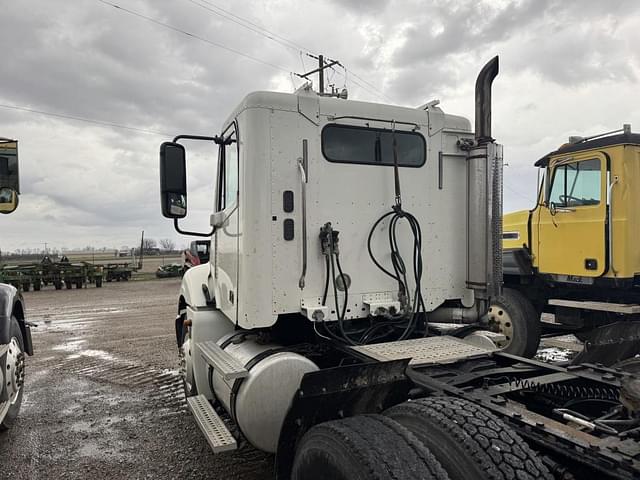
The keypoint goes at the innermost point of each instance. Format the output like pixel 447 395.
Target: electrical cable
pixel 249 25
pixel 260 30
pixel 341 314
pixel 272 36
pixel 194 36
pixel 326 283
pixel 81 119
pixel 412 306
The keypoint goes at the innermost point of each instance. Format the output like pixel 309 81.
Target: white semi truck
pixel 344 234
pixel 15 334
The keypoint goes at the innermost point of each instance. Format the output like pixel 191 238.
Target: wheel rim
pixel 500 322
pixel 14 370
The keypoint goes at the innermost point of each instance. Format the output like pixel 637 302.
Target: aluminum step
pixel 223 363
pixel 624 308
pixel 425 351
pixel 212 426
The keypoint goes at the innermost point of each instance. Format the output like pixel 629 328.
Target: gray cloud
pixel 87 184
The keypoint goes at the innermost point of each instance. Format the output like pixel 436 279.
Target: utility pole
pixel 321 72
pixel 141 251
pixel 322 66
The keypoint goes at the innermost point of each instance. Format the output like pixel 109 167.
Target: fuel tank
pixel 259 402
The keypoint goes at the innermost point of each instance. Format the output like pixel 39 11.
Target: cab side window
pixel 576 184
pixel 228 173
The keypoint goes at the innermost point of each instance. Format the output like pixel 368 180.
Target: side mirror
pixel 173 180
pixel 8 200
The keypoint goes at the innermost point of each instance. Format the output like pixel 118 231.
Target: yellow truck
pixel 575 254
pixel 15 331
pixel 9 177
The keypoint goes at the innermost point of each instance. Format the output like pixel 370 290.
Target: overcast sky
pixel 567 68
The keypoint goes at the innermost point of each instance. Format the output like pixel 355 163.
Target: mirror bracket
pixel 193 234
pixel 217 140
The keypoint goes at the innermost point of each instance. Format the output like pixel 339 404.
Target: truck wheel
pixel 57 285
pixel 13 370
pixel 98 282
pixel 36 286
pixel 469 441
pixel 79 284
pixel 513 315
pixel 364 447
pixel 26 286
pixel 68 284
pixel 630 365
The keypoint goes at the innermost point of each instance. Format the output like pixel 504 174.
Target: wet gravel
pixel 103 398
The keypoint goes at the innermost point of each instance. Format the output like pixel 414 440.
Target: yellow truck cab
pixel 9 176
pixel 575 254
pixel 15 332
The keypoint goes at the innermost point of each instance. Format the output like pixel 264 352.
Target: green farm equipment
pixel 117 272
pixel 48 272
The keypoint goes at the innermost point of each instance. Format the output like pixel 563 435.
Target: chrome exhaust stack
pixel 484 213
pixel 484 210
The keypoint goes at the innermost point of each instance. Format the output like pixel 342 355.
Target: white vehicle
pixel 341 231
pixel 124 251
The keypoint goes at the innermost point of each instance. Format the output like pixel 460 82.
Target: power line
pixel 254 27
pixel 81 119
pixel 248 24
pixel 195 36
pixel 521 195
pixel 375 89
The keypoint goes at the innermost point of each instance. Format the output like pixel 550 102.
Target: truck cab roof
pixel 626 138
pixel 312 105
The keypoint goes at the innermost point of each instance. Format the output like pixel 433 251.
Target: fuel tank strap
pixel 238 382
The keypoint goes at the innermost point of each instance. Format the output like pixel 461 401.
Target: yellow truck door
pixel 572 227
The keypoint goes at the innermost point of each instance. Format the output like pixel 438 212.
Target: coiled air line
pixel 411 305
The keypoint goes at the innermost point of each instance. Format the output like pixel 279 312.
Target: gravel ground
pixel 103 398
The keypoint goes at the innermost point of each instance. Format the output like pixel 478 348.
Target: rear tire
pixel 513 315
pixel 469 441
pixel 630 365
pixel 14 408
pixel 364 447
pixel 98 282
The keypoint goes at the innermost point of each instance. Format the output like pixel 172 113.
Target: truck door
pixel 572 227
pixel 226 238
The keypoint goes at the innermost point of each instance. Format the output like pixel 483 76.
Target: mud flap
pixel 337 393
pixel 611 343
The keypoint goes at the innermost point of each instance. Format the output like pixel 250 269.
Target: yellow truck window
pixel 576 184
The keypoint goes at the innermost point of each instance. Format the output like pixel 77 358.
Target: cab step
pixel 223 363
pixel 212 426
pixel 623 308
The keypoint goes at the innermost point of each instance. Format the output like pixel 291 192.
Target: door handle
pixel 553 209
pixel 303 165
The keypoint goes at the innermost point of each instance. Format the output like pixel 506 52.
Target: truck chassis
pixel 545 404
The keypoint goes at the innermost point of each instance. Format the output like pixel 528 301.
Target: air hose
pixel 412 304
